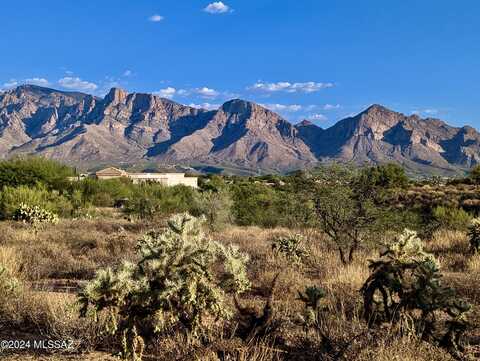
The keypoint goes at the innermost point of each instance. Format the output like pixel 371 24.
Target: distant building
pixel 168 179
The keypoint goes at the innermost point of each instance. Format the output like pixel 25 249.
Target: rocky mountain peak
pixel 116 96
pixel 305 123
pixel 238 106
pixel 122 127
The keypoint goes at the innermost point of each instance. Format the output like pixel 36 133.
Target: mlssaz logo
pixel 52 344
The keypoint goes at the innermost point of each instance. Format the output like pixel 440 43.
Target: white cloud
pixel 317 117
pixel 201 92
pixel 156 18
pixel 217 8
pixel 166 92
pixel 205 92
pixel 127 73
pixel 12 83
pixel 285 86
pixel 37 81
pixel 283 107
pixel 207 106
pixel 75 83
pixel 427 112
pixel 331 106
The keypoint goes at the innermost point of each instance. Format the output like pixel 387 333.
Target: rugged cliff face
pixel 381 135
pixel 122 127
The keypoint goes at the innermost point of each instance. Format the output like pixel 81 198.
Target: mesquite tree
pixel 345 216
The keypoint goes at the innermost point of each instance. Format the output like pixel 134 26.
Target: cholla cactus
pixel 474 235
pixel 291 247
pixel 181 277
pixel 311 299
pixel 34 215
pixel 405 284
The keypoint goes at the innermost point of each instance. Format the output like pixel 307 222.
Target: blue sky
pixel 313 59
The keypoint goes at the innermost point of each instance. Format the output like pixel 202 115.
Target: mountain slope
pixel 125 127
pixel 380 135
pixel 122 127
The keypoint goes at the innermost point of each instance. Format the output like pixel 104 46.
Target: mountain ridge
pixel 127 127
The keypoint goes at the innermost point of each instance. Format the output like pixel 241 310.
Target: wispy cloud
pixel 289 108
pixel 12 83
pixel 156 18
pixel 202 92
pixel 317 116
pixel 75 83
pixel 206 92
pixel 331 106
pixel 426 112
pixel 217 8
pixel 207 106
pixel 289 87
pixel 168 92
pixel 37 81
pixel 127 73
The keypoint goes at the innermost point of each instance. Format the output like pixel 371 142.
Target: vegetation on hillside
pixel 337 263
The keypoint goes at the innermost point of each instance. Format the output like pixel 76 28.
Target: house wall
pixel 168 179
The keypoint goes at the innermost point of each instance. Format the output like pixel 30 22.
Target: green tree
pixel 385 176
pixel 31 171
pixel 217 209
pixel 347 216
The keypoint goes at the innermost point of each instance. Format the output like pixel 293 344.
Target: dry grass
pixel 76 249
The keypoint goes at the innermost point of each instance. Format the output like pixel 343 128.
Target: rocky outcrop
pixel 130 127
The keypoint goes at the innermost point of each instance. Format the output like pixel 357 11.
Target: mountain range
pixel 128 128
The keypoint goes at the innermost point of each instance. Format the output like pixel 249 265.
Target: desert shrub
pixel 385 176
pixel 103 193
pixel 217 208
pixel 451 218
pixel 32 171
pixel 255 204
pixel 474 235
pixel 405 288
pixel 292 248
pixel 181 277
pixel 474 175
pixel 11 198
pixel 150 199
pixel 34 215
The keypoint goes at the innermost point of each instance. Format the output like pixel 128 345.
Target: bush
pixel 256 204
pixel 103 193
pixel 12 198
pixel 150 200
pixel 451 218
pixel 34 215
pixel 32 171
pixel 385 176
pixel 291 247
pixel 180 278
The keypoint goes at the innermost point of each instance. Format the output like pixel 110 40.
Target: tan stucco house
pixel 168 179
